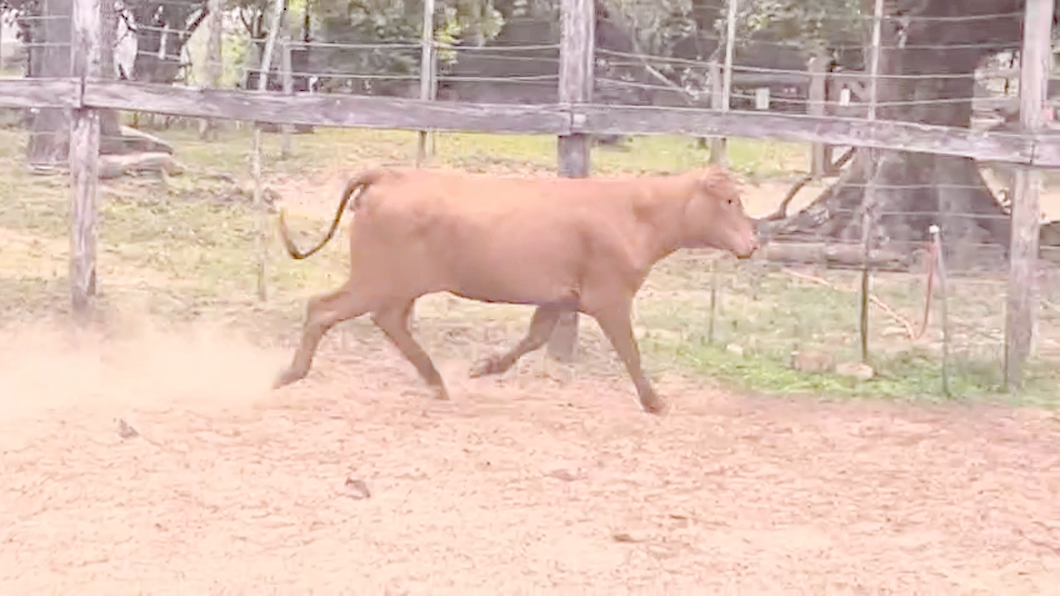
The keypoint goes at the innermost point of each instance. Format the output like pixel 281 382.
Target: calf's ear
pixel 719 183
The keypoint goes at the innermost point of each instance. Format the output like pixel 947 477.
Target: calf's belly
pixel 514 284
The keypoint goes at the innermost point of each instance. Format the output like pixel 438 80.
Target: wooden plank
pixel 821 158
pixel 903 136
pixel 870 203
pixel 1040 149
pixel 40 93
pixel 85 56
pixel 214 61
pixel 319 109
pixel 718 145
pixel 288 83
pixel 574 150
pixel 261 243
pixel 427 80
pixel 721 95
pixel 730 50
pixel 1021 318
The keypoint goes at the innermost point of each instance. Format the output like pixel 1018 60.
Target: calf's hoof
pixel 286 378
pixel 440 393
pixel 655 406
pixel 486 367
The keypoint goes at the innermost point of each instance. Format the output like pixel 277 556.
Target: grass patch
pixel 330 148
pixel 765 315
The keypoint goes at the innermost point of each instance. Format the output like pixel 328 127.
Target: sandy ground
pixel 354 482
pixel 519 484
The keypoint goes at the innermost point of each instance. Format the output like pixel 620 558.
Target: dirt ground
pixel 519 484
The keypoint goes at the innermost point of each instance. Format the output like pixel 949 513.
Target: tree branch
pixel 189 29
pixel 651 70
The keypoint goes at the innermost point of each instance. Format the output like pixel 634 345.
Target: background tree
pixel 160 28
pixel 931 58
pixel 932 49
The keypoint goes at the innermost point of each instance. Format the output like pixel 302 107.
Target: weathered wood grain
pixel 882 134
pixel 1021 318
pixel 836 256
pixel 821 154
pixel 1039 149
pixel 116 166
pixel 40 93
pixel 85 58
pixel 574 150
pixel 718 145
pixel 314 109
pixel 428 82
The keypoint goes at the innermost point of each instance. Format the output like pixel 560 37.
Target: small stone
pixel 628 537
pixel 357 488
pixel 812 361
pixel 125 430
pixel 735 349
pixel 563 474
pixel 856 370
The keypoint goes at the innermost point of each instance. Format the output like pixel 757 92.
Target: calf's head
pixel 714 214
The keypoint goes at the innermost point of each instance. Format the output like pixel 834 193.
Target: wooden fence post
pixel 261 238
pixel 427 79
pixel 722 98
pixel 940 274
pixel 214 62
pixel 575 150
pixel 821 156
pixel 288 81
pixel 717 100
pixel 85 59
pixel 869 206
pixel 1021 318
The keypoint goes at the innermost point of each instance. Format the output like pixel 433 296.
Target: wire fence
pixel 801 295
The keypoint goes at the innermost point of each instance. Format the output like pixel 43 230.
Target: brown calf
pixel 560 244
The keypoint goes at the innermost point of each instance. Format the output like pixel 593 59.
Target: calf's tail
pixel 360 182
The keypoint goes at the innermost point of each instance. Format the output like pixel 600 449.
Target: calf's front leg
pixel 394 323
pixel 614 320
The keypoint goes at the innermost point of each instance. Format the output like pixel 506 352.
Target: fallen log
pixel 134 164
pixel 838 256
pixel 131 140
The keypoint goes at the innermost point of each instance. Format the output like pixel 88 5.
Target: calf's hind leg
pixel 541 326
pixel 323 312
pixel 394 322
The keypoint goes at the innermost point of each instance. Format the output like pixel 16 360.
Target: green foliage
pixel 365 21
pixel 660 24
pixel 810 23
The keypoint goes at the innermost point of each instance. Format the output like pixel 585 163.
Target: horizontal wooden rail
pixel 40 93
pixel 883 134
pixel 326 109
pixel 342 110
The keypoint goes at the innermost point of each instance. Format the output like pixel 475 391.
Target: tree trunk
pixel 214 63
pixel 159 47
pixel 49 142
pixel 916 190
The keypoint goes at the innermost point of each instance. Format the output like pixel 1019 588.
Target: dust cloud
pixel 139 363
